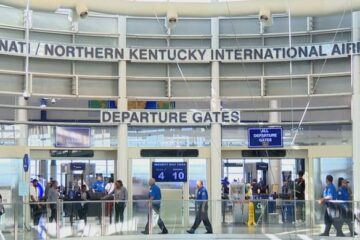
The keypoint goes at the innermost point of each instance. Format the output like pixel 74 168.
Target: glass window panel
pixel 140 178
pixel 196 171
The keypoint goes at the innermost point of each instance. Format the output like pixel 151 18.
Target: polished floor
pixel 229 231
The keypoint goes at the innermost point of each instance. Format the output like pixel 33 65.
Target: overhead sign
pixel 261 166
pixel 286 175
pixel 169 171
pixel 94 53
pixel 265 137
pixel 233 164
pixel 72 137
pixel 77 166
pixel 170 117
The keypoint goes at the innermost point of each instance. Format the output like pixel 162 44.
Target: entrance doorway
pixel 72 173
pixel 263 173
pixel 175 195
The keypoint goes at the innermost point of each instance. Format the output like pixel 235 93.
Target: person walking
pixel 201 208
pixel 346 213
pixel 154 205
pixel 36 208
pixel 330 195
pixel 300 196
pixel 53 196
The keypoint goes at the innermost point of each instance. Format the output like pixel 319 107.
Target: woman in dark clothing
pixel 83 207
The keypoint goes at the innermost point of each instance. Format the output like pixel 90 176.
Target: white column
pixel 274 164
pixel 43 170
pixel 22 115
pixel 215 161
pixel 121 171
pixel 53 169
pixel 355 111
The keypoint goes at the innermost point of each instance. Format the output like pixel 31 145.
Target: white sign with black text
pixel 170 117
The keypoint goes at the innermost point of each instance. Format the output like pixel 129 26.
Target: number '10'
pixel 178 175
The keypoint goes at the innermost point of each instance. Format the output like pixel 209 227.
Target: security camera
pixel 82 10
pixel 26 95
pixel 171 18
pixel 265 17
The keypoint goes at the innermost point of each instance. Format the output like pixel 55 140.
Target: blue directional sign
pixel 77 166
pixel 261 166
pixel 169 171
pixel 26 162
pixel 265 137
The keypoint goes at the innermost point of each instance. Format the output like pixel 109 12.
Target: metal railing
pixel 78 219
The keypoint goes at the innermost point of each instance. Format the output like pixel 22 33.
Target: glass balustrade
pixel 260 216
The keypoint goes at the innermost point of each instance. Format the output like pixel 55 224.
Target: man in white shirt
pixel 34 199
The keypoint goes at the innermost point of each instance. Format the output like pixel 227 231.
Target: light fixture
pixel 82 10
pixel 265 17
pixel 171 19
pixel 26 95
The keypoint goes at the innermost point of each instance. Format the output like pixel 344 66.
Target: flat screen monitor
pixel 169 171
pixel 72 137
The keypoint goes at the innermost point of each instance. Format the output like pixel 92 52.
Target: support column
pixel 43 170
pixel 215 161
pixel 355 111
pixel 53 169
pixel 22 115
pixel 274 164
pixel 122 147
pixel 121 171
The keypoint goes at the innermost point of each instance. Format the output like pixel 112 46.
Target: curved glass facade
pixel 311 98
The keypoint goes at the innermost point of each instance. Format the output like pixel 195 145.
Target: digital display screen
pixel 265 137
pixel 169 171
pixel 72 153
pixel 72 137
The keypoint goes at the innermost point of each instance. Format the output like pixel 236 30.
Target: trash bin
pixel 271 206
pixel 288 212
pixel 257 210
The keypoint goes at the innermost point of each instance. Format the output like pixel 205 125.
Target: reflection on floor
pixel 132 230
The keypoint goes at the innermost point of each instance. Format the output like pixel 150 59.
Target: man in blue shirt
pixel 330 195
pixel 99 185
pixel 346 213
pixel 201 208
pixel 154 205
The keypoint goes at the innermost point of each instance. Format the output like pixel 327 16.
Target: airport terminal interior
pixel 243 112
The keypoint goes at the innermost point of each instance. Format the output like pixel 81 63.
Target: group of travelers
pixel 338 207
pixel 79 199
pixel 117 192
pixel 336 201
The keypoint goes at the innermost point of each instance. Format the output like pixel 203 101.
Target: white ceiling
pixel 188 8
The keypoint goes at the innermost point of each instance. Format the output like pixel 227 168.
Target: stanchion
pixel 58 209
pixel 150 214
pixel 102 218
